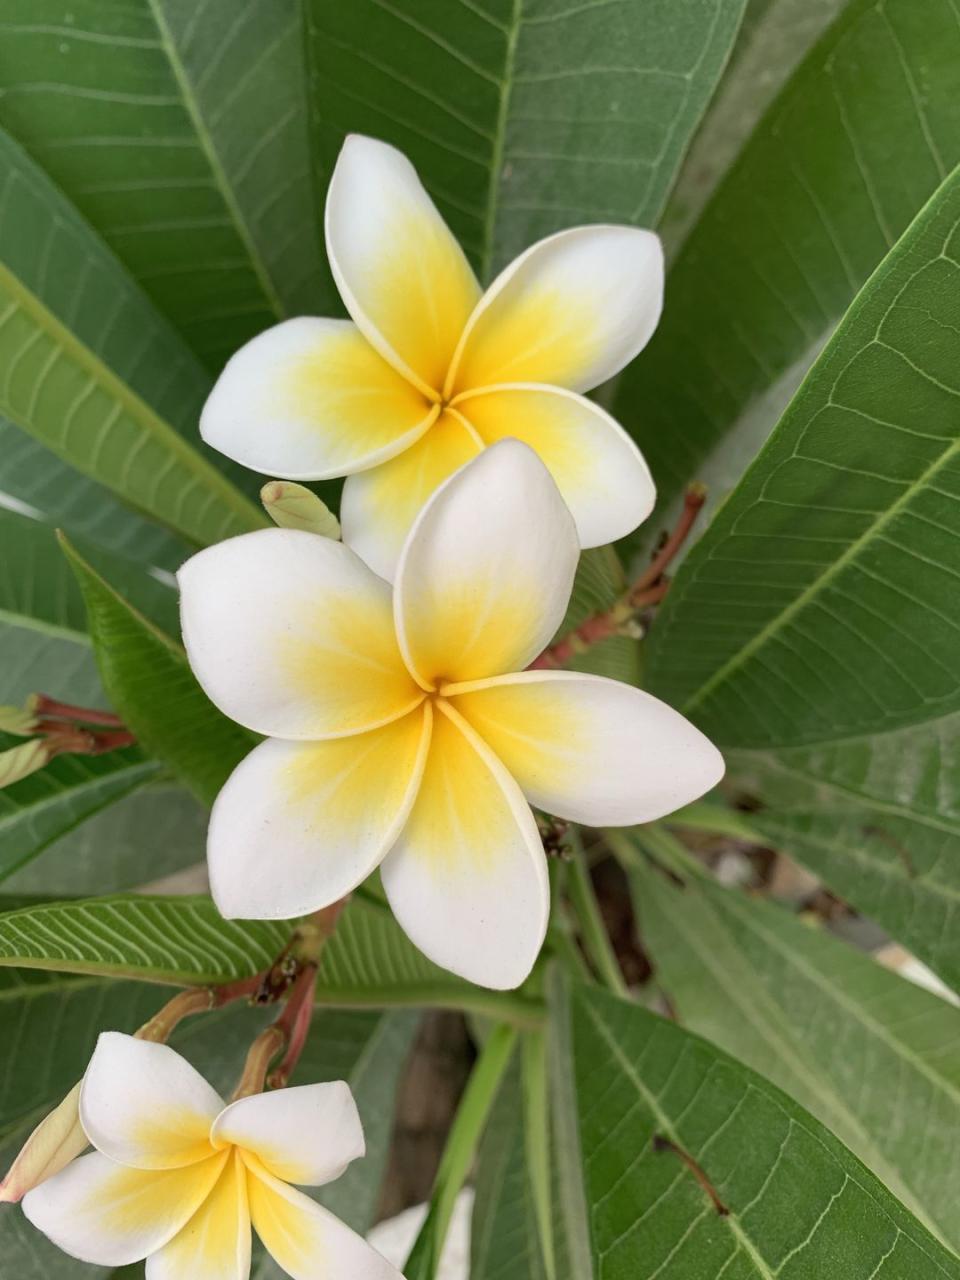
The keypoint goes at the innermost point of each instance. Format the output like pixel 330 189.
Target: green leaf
pixel 505 1241
pixel 798 1205
pixel 179 130
pixel 878 819
pixel 151 833
pixel 35 481
pixel 822 604
pixel 774 38
pixel 856 143
pixel 599 583
pixel 872 1056
pixel 176 940
pixel 93 372
pixel 150 684
pixel 42 808
pixel 522 119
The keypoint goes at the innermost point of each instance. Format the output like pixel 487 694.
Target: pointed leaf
pixel 794 1204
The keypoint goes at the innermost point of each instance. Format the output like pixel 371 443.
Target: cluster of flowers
pixel 388 673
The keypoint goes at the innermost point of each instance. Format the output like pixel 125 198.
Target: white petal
pixel 590 749
pixel 216 1243
pixel 485 575
pixel 292 635
pixel 572 310
pixel 310 399
pixel 143 1105
pixel 599 471
pixel 380 506
pixel 298 825
pixel 307 1134
pixel 467 879
pixel 306 1240
pixel 102 1212
pixel 402 275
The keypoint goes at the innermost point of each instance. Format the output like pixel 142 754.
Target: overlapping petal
pixel 145 1106
pixel 599 470
pixel 216 1243
pixel 304 1239
pixel 292 635
pixel 298 825
pixel 486 573
pixel 590 749
pixel 309 399
pixel 467 879
pixel 308 1134
pixel 572 311
pixel 101 1212
pixel 379 507
pixel 402 275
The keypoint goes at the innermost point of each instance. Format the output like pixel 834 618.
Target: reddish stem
pixel 649 589
pixel 295 1022
pixel 45 706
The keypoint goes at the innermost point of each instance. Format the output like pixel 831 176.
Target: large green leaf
pixel 177 940
pixel 149 682
pixel 798 1205
pixel 775 36
pixel 878 818
pixel 92 371
pixel 179 129
pixel 822 602
pixel 522 116
pixel 35 481
pixel 47 805
pixel 846 156
pixel 872 1056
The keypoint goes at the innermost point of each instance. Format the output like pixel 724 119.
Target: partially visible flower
pixel 179 1179
pixel 292 506
pixel 432 370
pixel 57 1139
pixel 403 729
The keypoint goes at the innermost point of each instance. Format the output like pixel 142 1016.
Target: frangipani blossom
pixel 403 730
pixel 178 1178
pixel 431 370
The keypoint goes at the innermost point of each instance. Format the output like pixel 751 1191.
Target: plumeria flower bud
pixel 20 761
pixel 57 1139
pixel 292 506
pixel 20 721
pixel 432 369
pixel 181 1180
pixel 403 731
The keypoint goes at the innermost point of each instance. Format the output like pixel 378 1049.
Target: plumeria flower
pixel 404 732
pixel 431 370
pixel 178 1178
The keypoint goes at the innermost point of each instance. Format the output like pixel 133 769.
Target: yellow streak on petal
pixel 215 1243
pixel 384 502
pixel 358 783
pixel 460 814
pixel 352 394
pixel 127 1199
pixel 174 1136
pixel 543 335
pixel 535 732
pixel 293 1238
pixel 352 666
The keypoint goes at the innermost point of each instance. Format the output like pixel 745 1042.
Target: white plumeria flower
pixel 404 732
pixel 178 1178
pixel 431 371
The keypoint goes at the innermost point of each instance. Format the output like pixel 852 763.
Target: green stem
pixel 536 1132
pixel 595 936
pixel 655 840
pixel 465 1133
pixel 718 819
